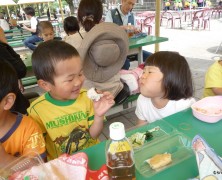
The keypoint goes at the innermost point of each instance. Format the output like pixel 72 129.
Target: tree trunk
pixel 71 6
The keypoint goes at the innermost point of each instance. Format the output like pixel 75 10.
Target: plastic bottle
pixel 119 154
pixel 130 30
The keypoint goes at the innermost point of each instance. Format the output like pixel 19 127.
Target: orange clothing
pixel 24 136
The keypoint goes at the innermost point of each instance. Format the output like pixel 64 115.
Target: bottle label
pixel 117 147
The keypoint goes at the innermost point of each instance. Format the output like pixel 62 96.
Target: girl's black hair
pixel 90 13
pixel 177 78
pixel 71 24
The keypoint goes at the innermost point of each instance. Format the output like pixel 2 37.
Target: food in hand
pixel 93 94
pixel 159 160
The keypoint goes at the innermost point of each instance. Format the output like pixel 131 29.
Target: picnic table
pixel 185 123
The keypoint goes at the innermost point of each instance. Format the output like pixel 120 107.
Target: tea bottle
pixel 130 30
pixel 119 154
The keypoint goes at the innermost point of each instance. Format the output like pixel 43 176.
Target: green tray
pixel 165 130
pixel 177 144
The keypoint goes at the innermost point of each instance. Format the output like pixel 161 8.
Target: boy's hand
pixel 104 104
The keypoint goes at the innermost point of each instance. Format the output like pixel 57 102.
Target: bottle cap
pixel 117 131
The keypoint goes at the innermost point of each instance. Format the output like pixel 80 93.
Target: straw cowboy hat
pixel 103 51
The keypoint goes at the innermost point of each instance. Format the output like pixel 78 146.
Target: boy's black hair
pixel 71 24
pixel 177 78
pixel 44 25
pixel 47 55
pixel 8 79
pixel 90 13
pixel 29 11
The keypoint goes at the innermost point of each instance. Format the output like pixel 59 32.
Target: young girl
pixel 165 86
pixel 71 27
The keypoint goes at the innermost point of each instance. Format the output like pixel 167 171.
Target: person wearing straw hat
pixel 104 50
pixel 101 66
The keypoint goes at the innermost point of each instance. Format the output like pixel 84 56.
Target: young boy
pixel 46 32
pixel 69 120
pixel 19 134
pixel 213 80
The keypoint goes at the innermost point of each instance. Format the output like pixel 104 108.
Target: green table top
pixel 143 41
pixel 183 122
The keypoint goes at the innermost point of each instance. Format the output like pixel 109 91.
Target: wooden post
pixel 157 23
pixel 8 12
pixel 60 5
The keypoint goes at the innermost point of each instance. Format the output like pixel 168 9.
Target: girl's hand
pixel 104 104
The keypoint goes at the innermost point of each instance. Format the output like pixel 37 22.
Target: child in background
pixel 46 32
pixel 69 120
pixel 213 80
pixel 71 27
pixel 19 134
pixel 165 86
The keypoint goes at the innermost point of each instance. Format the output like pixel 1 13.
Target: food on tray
pixel 148 135
pixel 159 160
pixel 209 111
pixel 93 94
pixel 137 139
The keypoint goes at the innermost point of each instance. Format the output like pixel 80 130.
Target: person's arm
pixel 141 122
pixel 217 91
pixel 7 157
pixel 28 29
pixel 100 109
pixel 33 27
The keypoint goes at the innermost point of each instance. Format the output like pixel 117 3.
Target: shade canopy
pixel 34 1
pixel 7 2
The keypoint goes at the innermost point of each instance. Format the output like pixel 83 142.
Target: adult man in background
pixel 122 15
pixel 30 41
pixel 3 23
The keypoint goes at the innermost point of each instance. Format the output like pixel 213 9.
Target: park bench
pixel 29 81
pixel 18 43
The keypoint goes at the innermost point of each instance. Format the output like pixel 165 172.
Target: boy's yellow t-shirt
pixel 213 78
pixel 64 124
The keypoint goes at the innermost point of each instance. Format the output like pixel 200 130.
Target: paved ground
pixel 199 49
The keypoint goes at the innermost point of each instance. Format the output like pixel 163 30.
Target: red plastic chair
pixel 198 16
pixel 148 23
pixel 206 19
pixel 170 17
